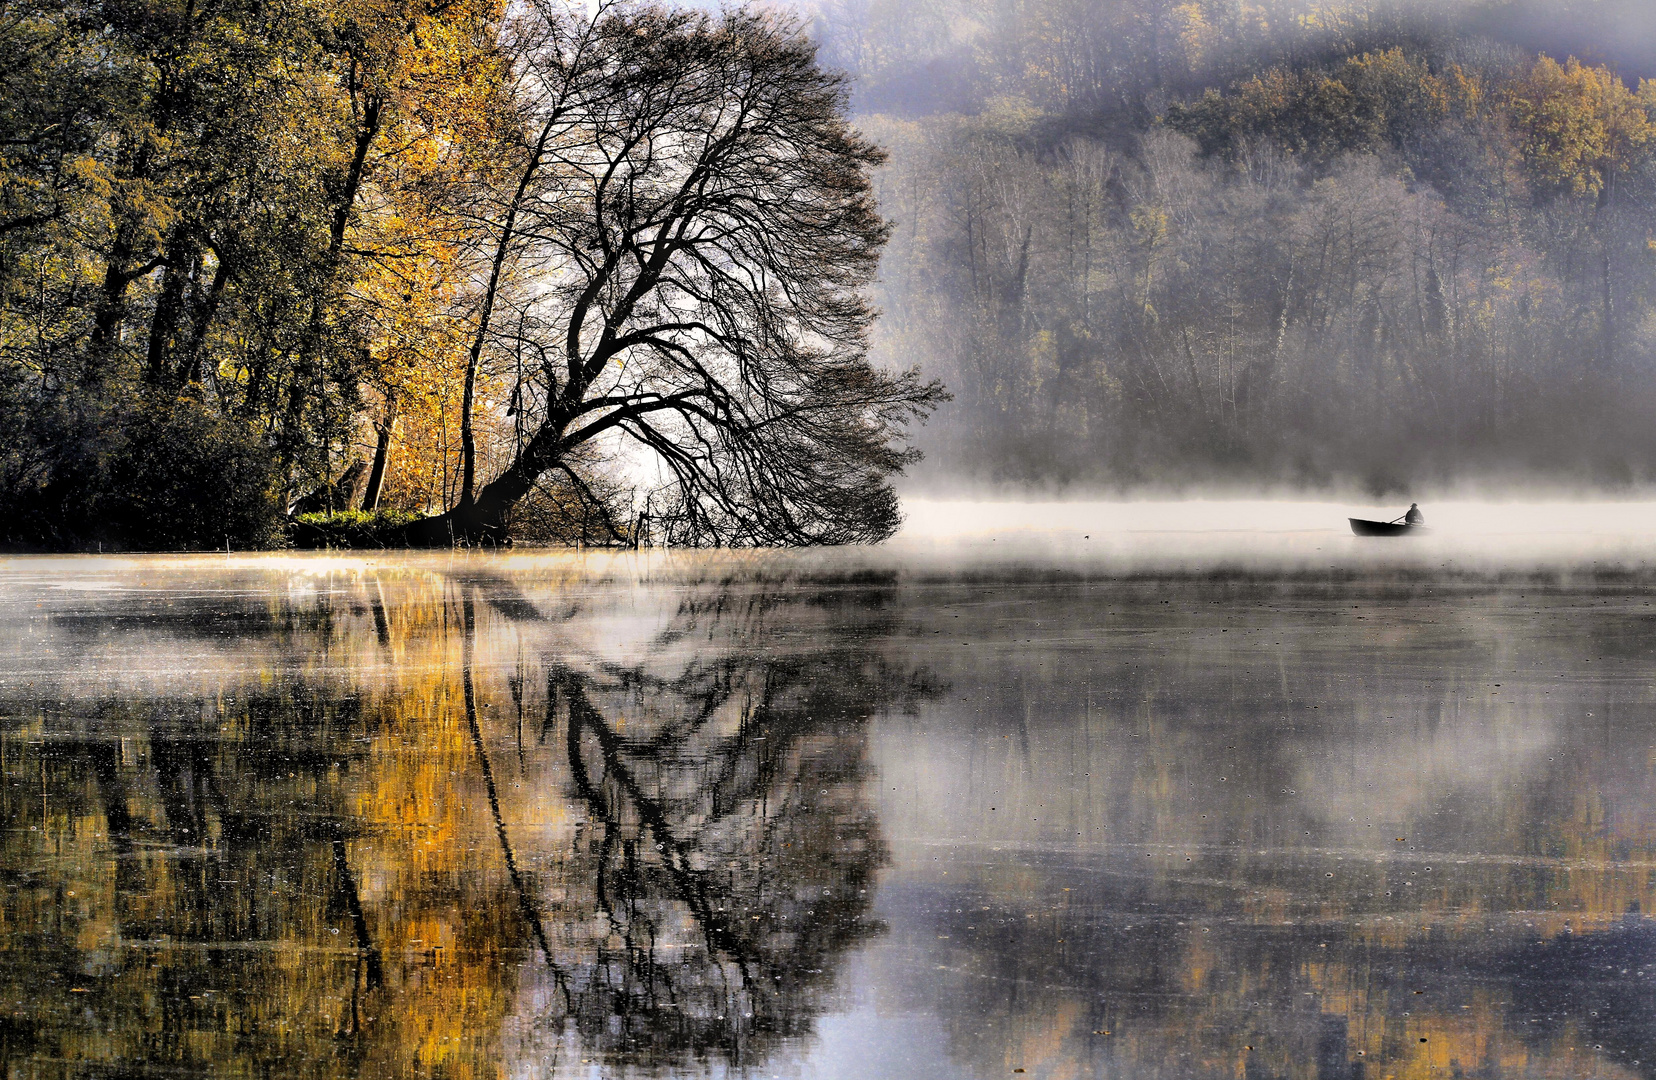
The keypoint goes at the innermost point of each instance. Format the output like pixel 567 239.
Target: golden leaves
pixel 1578 125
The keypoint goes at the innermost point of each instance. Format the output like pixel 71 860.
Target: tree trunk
pixel 382 448
pixel 111 306
pixel 110 309
pixel 203 309
pixel 1609 316
pixel 486 517
pixel 169 307
pixel 508 229
pixel 305 376
pixel 1603 223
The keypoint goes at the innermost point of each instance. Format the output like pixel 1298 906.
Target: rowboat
pixel 1363 527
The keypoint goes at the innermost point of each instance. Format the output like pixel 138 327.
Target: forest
pixel 409 271
pixel 1363 247
pixel 401 271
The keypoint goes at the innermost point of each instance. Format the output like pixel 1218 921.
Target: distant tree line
pixel 438 265
pixel 1310 243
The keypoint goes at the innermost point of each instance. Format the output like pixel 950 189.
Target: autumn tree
pixel 1581 130
pixel 217 230
pixel 144 192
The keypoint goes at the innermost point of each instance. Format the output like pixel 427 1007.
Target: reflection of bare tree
pixel 731 875
pixel 729 858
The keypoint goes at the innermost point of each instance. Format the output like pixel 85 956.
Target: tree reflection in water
pixel 346 852
pixel 390 822
pixel 728 848
pixel 732 853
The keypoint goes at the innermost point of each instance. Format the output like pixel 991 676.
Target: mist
pixel 1364 249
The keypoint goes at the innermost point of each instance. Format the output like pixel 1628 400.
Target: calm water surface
pixel 860 814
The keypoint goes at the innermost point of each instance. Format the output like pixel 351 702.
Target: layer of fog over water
pixel 1277 536
pixel 1138 793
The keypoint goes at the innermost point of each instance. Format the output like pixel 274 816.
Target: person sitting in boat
pixel 1414 516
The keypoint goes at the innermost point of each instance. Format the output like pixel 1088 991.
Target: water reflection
pixel 410 823
pixel 750 815
pixel 1247 832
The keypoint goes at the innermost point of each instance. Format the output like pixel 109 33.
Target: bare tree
pixel 693 281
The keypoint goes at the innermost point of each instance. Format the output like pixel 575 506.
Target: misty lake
pixel 1097 798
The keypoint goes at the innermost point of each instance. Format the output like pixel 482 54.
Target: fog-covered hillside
pixel 1350 244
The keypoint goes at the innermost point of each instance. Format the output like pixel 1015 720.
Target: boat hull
pixel 1362 527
